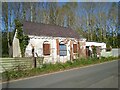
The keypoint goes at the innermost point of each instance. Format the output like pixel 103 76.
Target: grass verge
pixel 48 68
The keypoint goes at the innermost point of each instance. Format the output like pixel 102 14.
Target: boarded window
pixel 74 48
pixel 63 50
pixel 46 49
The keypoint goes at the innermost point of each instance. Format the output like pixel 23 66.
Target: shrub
pixel 23 39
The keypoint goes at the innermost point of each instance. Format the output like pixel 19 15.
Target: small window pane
pixel 63 53
pixel 62 47
pixel 63 50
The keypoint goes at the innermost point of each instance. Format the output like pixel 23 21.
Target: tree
pixel 113 19
pixel 23 39
pixel 5 16
pixel 94 21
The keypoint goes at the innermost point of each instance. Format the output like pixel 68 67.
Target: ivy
pixel 23 39
pixel 94 50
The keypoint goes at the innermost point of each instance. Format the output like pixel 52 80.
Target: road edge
pixel 26 78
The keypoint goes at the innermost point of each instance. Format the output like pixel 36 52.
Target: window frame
pixel 62 50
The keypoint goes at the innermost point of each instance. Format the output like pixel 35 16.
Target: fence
pixel 116 52
pixel 19 63
pixel 106 54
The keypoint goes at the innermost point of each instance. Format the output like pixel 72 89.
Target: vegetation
pixel 23 39
pixel 48 68
pixel 94 51
pixel 94 21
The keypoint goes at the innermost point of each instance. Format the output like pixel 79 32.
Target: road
pixel 95 76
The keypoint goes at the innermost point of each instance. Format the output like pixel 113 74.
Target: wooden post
pixel 35 65
pixel 78 49
pixel 71 51
pixel 34 58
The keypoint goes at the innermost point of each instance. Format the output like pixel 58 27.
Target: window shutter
pixel 74 48
pixel 46 49
pixel 57 45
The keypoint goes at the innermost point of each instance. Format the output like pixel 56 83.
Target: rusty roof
pixel 39 29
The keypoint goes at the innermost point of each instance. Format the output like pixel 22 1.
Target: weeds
pixel 47 68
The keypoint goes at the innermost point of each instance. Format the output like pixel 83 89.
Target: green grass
pixel 48 68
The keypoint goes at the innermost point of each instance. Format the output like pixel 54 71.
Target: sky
pixel 2 28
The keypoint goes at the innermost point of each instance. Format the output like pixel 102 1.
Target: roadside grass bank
pixel 49 68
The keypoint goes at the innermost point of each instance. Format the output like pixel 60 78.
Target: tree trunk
pixel 10 51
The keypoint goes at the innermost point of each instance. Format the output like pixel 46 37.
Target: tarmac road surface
pixel 103 75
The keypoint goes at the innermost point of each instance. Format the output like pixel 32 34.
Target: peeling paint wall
pixel 37 42
pixel 83 48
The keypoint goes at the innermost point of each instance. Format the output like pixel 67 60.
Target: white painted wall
pixel 16 46
pixel 37 42
pixel 102 45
